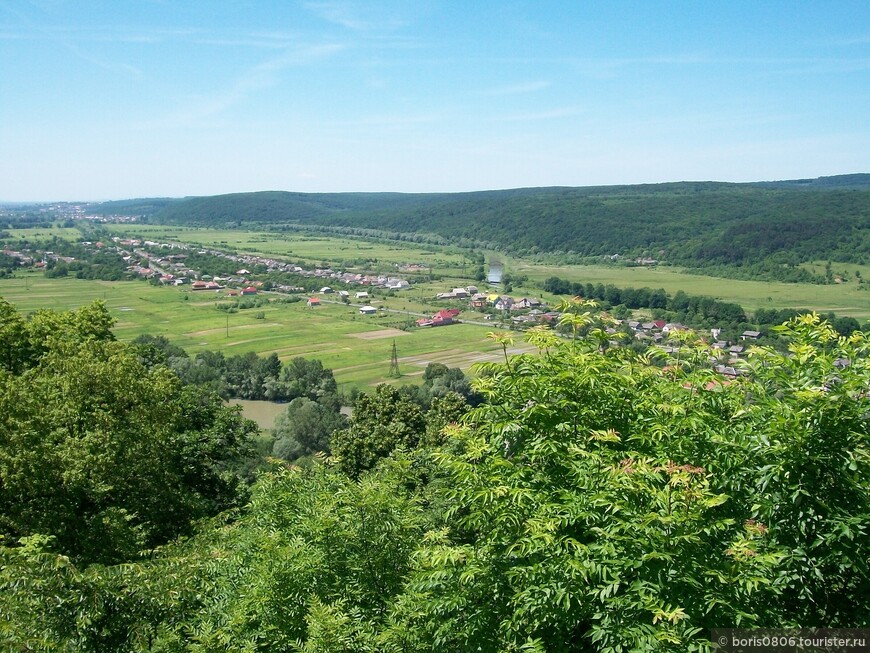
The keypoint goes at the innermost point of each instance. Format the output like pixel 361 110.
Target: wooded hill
pixel 761 229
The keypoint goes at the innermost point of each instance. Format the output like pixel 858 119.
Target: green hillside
pixel 760 230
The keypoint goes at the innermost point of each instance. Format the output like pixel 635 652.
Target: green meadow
pixel 46 233
pixel 295 246
pixel 356 347
pixel 846 299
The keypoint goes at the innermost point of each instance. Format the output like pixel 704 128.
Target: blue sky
pixel 140 98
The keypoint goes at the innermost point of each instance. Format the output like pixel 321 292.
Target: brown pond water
pixel 264 412
pixel 261 411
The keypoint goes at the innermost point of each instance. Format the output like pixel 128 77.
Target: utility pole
pixel 394 363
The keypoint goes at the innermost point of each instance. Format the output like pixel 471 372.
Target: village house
pixel 551 316
pixel 671 327
pixel 250 290
pixel 312 302
pixel 397 284
pixel 727 370
pixel 478 300
pixel 441 318
pixel 523 319
pixel 368 310
pixel 525 303
pixel 504 303
pixel 445 316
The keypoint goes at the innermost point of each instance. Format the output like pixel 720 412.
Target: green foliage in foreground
pixel 101 453
pixel 593 502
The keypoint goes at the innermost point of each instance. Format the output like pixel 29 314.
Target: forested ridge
pixel 766 227
pixel 597 499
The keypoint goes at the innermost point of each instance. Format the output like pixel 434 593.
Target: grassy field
pixel 299 247
pixel 356 347
pixel 66 233
pixel 843 298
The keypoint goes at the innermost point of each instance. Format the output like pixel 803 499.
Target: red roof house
pixel 445 316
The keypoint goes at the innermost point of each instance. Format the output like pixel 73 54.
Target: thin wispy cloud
pixel 517 89
pixel 61 39
pixel 861 39
pixel 262 76
pixel 830 66
pixel 258 40
pixel 359 17
pixel 87 55
pixel 547 114
pixel 125 34
pixel 339 13
pixel 392 120
pixel 252 41
pixel 593 67
pixel 608 68
pixel 79 34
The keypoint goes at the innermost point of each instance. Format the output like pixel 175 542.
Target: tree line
pixel 696 311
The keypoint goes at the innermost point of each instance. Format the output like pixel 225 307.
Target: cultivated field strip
pixel 356 347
